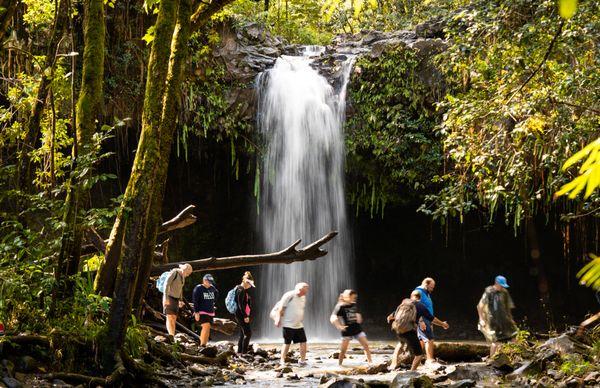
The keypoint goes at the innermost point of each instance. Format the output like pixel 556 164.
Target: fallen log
pixel 76 378
pixel 461 351
pixel 285 256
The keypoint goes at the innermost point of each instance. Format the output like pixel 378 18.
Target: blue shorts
pixel 427 334
pixel 356 336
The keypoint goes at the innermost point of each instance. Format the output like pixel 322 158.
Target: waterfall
pixel 302 194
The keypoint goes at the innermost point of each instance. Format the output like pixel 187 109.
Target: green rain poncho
pixel 496 321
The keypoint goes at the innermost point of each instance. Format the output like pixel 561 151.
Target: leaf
pixel 567 8
pixel 589 275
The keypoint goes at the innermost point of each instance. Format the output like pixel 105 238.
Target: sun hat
pixel 501 280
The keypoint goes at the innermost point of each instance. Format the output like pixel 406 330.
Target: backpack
pixel 405 317
pixel 161 282
pixel 230 301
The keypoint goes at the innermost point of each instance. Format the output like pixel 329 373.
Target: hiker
pixel 172 294
pixel 495 317
pixel 205 296
pixel 244 300
pixel 426 333
pixel 405 320
pixel 346 318
pixel 289 314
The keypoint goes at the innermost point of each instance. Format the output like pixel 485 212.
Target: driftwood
pixel 285 256
pixel 181 220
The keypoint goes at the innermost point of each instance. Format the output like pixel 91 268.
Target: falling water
pixel 302 194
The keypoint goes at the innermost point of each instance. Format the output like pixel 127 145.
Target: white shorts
pixel 356 337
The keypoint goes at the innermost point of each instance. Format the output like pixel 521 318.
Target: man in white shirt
pixel 291 317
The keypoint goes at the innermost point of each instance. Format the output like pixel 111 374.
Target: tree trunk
pixel 138 195
pixel 133 217
pixel 168 122
pixel 32 130
pixel 7 11
pixel 285 256
pixel 88 106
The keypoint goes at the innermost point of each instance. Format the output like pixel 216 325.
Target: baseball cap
pixel 501 280
pixel 209 277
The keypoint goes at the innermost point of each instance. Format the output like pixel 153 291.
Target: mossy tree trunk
pixel 130 236
pixel 128 259
pixel 89 104
pixel 168 122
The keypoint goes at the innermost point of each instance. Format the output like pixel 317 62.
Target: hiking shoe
pixel 302 363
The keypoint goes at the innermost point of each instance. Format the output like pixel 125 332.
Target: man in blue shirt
pixel 425 331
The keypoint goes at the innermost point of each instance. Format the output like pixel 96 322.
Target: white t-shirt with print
pixel 293 316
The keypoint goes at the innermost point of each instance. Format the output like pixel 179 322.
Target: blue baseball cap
pixel 209 277
pixel 501 280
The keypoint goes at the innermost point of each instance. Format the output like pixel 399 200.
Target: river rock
pixel 26 364
pixel 466 383
pixel 501 362
pixel 338 382
pixel 11 382
pixel 592 378
pixel 411 380
pixel 566 344
pixel 209 351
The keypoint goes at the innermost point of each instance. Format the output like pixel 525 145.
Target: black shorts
pixel 170 305
pixel 296 336
pixel 204 318
pixel 412 342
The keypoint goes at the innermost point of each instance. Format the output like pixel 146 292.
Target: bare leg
pixel 343 348
pixel 284 352
pixel 493 348
pixel 365 344
pixel 171 323
pixel 429 347
pixel 303 351
pixel 416 362
pixel 204 333
pixel 394 363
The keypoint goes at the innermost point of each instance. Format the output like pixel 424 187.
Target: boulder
pixel 566 344
pixel 11 382
pixel 26 364
pixel 337 382
pixel 411 380
pixel 501 362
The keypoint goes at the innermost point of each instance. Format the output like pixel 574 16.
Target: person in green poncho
pixel 495 317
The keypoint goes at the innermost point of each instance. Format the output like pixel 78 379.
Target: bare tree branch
pixel 286 256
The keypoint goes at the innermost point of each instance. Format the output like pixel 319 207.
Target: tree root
pixel 76 378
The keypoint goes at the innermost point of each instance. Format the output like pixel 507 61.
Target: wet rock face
pixel 247 50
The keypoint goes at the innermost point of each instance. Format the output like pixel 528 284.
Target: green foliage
pixel 589 172
pixel 392 150
pixel 504 142
pixel 520 348
pixel 298 21
pixel 589 275
pixel 135 339
pixel 576 365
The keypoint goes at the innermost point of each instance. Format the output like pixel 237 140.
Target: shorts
pixel 427 334
pixel 170 305
pixel 355 336
pixel 412 342
pixel 205 318
pixel 296 336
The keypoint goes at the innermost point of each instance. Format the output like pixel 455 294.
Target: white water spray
pixel 302 194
